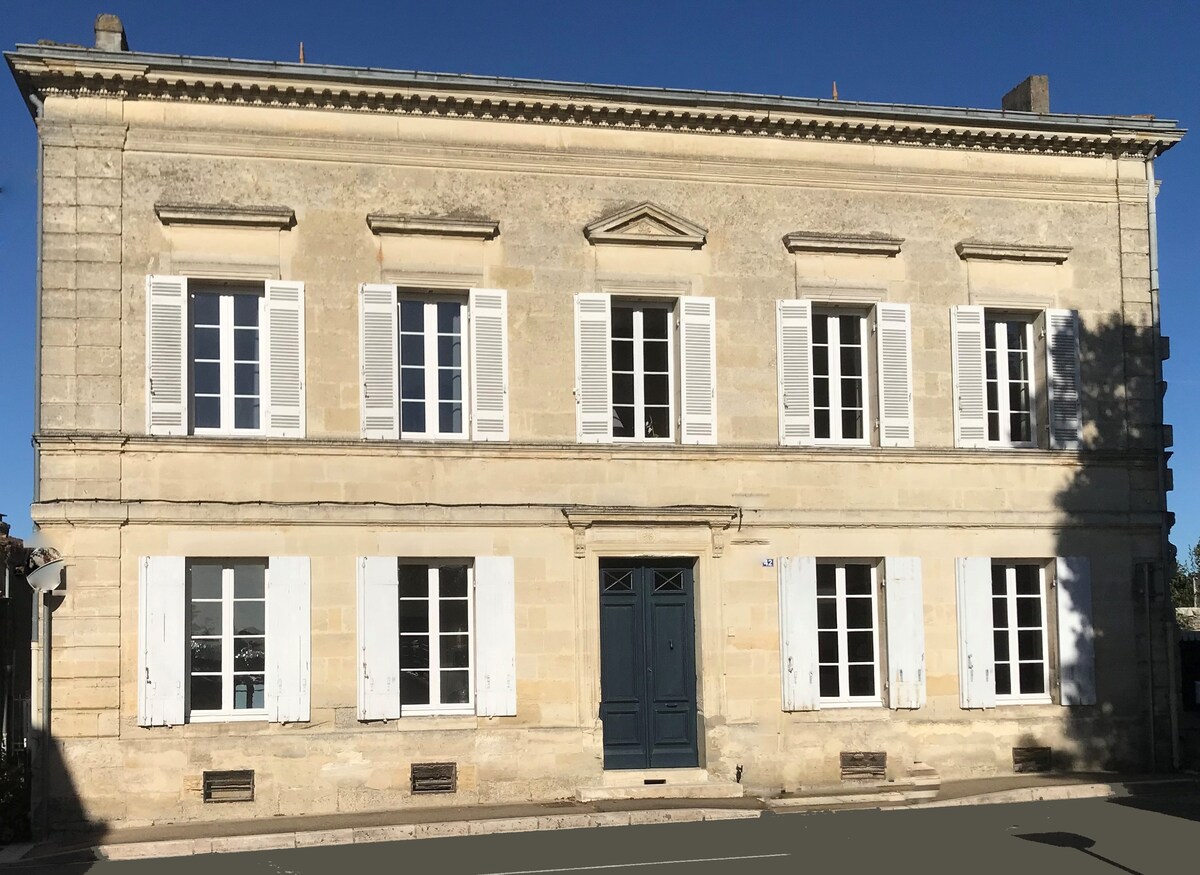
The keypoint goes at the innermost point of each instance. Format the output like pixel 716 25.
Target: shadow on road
pixel 1075 842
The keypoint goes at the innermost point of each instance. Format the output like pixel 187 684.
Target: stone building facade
pixel 584 436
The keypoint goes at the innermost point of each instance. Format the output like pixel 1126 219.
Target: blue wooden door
pixel 648 664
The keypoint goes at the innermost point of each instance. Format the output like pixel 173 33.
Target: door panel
pixel 647 664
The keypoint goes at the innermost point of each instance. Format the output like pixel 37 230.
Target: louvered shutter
pixel 162 651
pixel 893 335
pixel 698 339
pixel 489 364
pixel 793 325
pixel 593 369
pixel 495 637
pixel 289 623
pixel 1076 637
pixel 380 389
pixel 798 633
pixel 378 638
pixel 1062 377
pixel 285 359
pixel 970 399
pixel 905 632
pixel 166 355
pixel 976 647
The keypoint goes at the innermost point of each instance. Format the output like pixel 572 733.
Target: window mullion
pixel 1002 382
pixel 639 377
pixel 435 636
pixel 834 351
pixel 225 335
pixel 429 339
pixel 1014 655
pixel 839 577
pixel 227 639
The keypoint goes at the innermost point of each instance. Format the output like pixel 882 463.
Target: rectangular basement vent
pixel 229 786
pixel 1031 759
pixel 434 777
pixel 859 764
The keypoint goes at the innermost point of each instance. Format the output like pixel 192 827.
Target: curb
pixel 1029 794
pixel 402 832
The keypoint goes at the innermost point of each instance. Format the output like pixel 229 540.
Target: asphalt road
pixel 1143 836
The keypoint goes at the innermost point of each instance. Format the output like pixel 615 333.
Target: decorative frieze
pixel 646 224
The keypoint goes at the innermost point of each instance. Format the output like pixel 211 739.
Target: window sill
pixel 435 711
pixel 1023 700
pixel 234 433
pixel 228 717
pixel 863 703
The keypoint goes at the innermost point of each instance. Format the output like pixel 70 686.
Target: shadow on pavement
pixel 1073 841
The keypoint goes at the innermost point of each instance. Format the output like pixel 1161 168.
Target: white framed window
pixel 436 637
pixel 847 633
pixel 1009 380
pixel 433 366
pixel 225 375
pixel 1020 640
pixel 227 639
pixel 643 371
pixel 839 374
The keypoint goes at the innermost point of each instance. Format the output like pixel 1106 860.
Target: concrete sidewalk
pixel 174 840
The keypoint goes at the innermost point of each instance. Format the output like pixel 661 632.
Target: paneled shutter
pixel 1062 377
pixel 495 637
pixel 162 604
pixel 489 365
pixel 970 399
pixel 976 648
pixel 894 338
pixel 380 390
pixel 166 355
pixel 1076 645
pixel 698 342
pixel 905 632
pixel 798 632
pixel 794 342
pixel 593 369
pixel 378 638
pixel 289 624
pixel 285 359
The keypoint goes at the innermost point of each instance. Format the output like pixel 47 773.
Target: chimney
pixel 110 34
pixel 1032 95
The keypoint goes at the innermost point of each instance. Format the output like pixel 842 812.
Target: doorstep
pixel 658 784
pixel 922 784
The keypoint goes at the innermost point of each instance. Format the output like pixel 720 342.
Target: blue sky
pixel 1102 57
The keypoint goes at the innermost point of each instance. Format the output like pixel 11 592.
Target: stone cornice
pixel 843 244
pixel 433 226
pixel 969 250
pixel 646 224
pixel 57 70
pixel 226 214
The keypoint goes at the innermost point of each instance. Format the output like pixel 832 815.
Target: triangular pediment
pixel 646 224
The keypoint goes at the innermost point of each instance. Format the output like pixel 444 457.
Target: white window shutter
pixel 378 638
pixel 698 380
pixel 893 335
pixel 793 326
pixel 162 654
pixel 166 355
pixel 970 399
pixel 489 364
pixel 1076 637
pixel 380 387
pixel 905 632
pixel 976 647
pixel 593 369
pixel 284 359
pixel 1062 378
pixel 495 637
pixel 798 633
pixel 289 648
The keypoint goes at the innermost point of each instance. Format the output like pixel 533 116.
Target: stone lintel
pixel 843 244
pixel 718 518
pixel 1028 252
pixel 226 214
pixel 646 224
pixel 433 226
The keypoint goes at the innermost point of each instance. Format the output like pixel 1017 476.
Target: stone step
pixel 633 777
pixel 699 790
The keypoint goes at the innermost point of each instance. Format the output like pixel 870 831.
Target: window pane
pixel 1020 428
pixel 827 647
pixel 851 359
pixel 206 618
pixel 449 384
pixel 245 309
pixel 852 390
pixel 206 308
pixel 860 646
pixel 993 396
pixel 249 654
pixel 1028 580
pixel 245 413
pixel 852 424
pixel 414 615
pixel 821 423
pixel 450 418
pixel 623 421
pixel 249 618
pixel 452 581
pixel 826 614
pixel 206 654
pixel 455 688
pixel 850 329
pixel 207 413
pixel 1032 678
pixel 206 343
pixel 248 581
pixel 858 580
pixel 412 416
pixel 414 581
pixel 655 358
pixel 1000 643
pixel 412 349
pixel 658 390
pixel 820 328
pixel 861 680
pixel 623 389
pixel 245 345
pixel 658 422
pixel 1017 366
pixel 248 691
pixel 205 692
pixel 206 378
pixel 454 615
pixel 449 317
pixel 826 579
pixel 829 681
pixel 412 316
pixel 990 362
pixel 820 391
pixel 859 614
pixel 245 379
pixel 622 355
pixel 412 383
pixel 455 651
pixel 414 688
pixel 654 323
pixel 206 581
pixel 999 580
pixel 993 427
pixel 820 357
pixel 450 351
pixel 414 651
pixel 1018 397
pixel 999 613
pixel 1003 680
pixel 1029 644
pixel 622 322
pixel 1029 612
pixel 1016 334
